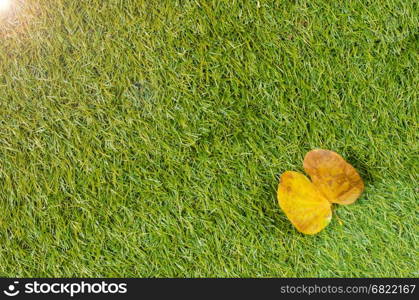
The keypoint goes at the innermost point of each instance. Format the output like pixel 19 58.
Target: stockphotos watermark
pixel 63 288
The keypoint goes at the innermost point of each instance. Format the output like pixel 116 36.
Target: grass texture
pixel 146 138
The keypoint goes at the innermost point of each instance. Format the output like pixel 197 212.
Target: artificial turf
pixel 146 138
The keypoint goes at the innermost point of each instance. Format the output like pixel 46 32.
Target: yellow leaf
pixel 307 209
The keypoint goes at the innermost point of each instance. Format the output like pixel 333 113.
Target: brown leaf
pixel 333 176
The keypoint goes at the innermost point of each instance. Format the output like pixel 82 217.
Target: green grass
pixel 146 138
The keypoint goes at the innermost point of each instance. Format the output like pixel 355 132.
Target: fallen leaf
pixel 336 179
pixel 307 209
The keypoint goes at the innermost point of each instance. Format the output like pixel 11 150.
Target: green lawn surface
pixel 146 138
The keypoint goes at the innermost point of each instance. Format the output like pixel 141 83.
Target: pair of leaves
pixel 308 204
